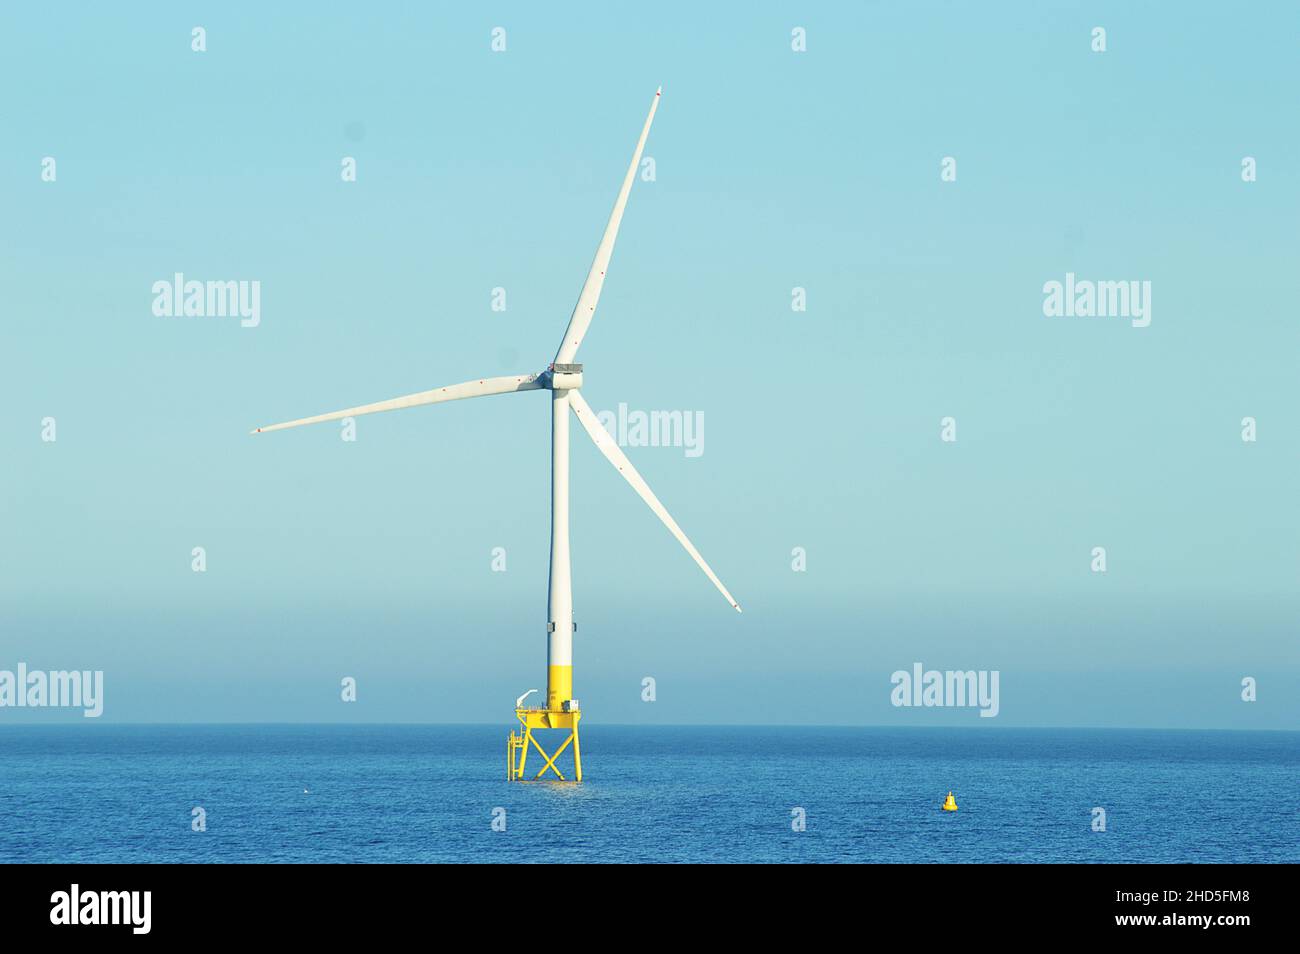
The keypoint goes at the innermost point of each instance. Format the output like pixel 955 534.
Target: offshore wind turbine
pixel 563 378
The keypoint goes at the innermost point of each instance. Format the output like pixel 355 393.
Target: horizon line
pixel 670 725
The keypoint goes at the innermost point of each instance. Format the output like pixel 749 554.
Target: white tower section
pixel 559 604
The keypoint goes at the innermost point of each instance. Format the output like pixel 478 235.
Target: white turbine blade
pixel 586 306
pixel 615 455
pixel 452 392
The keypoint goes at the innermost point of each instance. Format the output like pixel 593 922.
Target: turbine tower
pixel 562 378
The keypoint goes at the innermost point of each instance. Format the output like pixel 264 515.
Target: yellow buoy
pixel 950 803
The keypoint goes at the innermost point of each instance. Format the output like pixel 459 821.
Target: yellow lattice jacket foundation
pixel 560 712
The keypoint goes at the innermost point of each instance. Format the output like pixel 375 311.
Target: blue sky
pixel 774 169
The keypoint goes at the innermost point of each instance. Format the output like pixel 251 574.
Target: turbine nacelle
pixel 562 377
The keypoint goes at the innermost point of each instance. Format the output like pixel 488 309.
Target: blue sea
pixel 415 793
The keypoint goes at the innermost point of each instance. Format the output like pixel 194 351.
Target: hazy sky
pixel 774 169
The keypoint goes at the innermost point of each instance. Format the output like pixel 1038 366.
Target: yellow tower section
pixel 559 686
